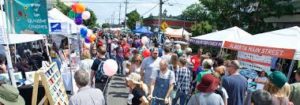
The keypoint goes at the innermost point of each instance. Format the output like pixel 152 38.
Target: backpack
pixel 100 76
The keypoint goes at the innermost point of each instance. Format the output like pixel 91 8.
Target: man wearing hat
pixel 9 95
pixel 235 84
pixel 207 95
pixel 295 89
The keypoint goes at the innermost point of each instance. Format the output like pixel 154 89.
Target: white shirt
pixel 87 96
pixel 164 75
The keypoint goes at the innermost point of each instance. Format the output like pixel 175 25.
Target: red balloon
pixel 146 53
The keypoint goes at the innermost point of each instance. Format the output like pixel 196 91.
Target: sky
pixel 108 10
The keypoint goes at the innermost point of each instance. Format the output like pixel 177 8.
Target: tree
pixel 201 28
pixel 132 18
pixel 247 14
pixel 90 23
pixel 105 25
pixel 195 12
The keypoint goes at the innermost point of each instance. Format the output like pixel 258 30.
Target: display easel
pixel 55 91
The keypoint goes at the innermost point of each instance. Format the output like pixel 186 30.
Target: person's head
pixel 209 83
pixel 218 61
pixel 94 49
pixel 137 59
pixel 2 64
pixel 262 73
pixel 34 50
pixel 167 49
pixel 123 41
pixel 133 79
pixel 207 63
pixel 200 50
pixel 163 65
pixel 86 55
pixel 82 78
pixel 261 97
pixel 177 46
pixel 189 51
pixel 9 95
pixel 182 61
pixel 154 52
pixel 232 66
pixel 297 75
pixel 101 51
pixel 278 84
pixel 174 60
pixel 220 70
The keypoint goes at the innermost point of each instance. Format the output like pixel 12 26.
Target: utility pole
pixel 120 14
pixel 160 14
pixel 125 22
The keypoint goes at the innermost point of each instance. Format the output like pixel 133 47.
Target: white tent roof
pixel 179 33
pixel 23 38
pixel 233 33
pixel 282 42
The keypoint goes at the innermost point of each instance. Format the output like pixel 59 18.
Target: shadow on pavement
pixel 119 94
pixel 118 87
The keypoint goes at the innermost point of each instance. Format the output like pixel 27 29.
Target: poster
pixel 254 61
pixel 28 16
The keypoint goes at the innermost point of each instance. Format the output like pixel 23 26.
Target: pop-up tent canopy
pixel 23 38
pixel 143 30
pixel 217 38
pixel 282 43
pixel 177 33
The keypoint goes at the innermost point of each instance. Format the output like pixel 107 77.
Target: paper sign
pixel 254 61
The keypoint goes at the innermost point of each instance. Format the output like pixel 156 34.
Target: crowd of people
pixel 171 75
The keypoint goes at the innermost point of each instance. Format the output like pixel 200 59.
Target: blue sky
pixel 109 12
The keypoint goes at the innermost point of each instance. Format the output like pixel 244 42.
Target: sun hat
pixel 278 79
pixel 134 77
pixel 209 83
pixel 9 95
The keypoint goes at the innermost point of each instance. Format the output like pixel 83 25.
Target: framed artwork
pixel 30 76
pixel 18 76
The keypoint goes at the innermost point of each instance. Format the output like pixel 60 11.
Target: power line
pixel 109 2
pixel 150 10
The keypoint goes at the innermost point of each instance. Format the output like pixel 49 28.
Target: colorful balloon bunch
pixel 78 13
pixel 88 36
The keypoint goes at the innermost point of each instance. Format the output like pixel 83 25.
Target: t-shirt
pixel 201 74
pixel 206 99
pixel 167 57
pixel 196 60
pixel 148 66
pixel 295 93
pixel 137 94
pixel 280 101
pixel 260 85
pixel 167 75
pixel 236 87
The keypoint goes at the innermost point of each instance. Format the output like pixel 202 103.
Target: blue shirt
pixel 148 66
pixel 236 87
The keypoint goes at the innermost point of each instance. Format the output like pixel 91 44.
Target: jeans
pixel 182 97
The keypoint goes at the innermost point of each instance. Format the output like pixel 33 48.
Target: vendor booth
pixel 177 33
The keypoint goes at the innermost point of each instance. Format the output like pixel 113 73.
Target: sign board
pixel 269 51
pixel 55 27
pixel 53 85
pixel 164 26
pixel 254 61
pixel 28 15
pixel 62 28
pixel 138 24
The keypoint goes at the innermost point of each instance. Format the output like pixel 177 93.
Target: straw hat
pixel 135 78
pixel 9 95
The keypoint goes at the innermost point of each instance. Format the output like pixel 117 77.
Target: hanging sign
pixel 28 15
pixel 254 61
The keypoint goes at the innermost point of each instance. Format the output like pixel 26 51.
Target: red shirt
pixel 126 50
pixel 196 60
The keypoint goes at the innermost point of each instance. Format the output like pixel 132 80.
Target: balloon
pixel 78 15
pixel 87 40
pixel 71 14
pixel 86 15
pixel 78 8
pixel 146 53
pixel 92 38
pixel 110 67
pixel 78 21
pixel 145 40
pixel 83 32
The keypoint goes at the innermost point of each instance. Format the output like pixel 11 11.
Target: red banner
pixel 277 52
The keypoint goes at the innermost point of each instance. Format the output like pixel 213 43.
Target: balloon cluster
pixel 88 36
pixel 78 13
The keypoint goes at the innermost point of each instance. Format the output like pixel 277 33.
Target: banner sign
pixel 29 15
pixel 206 42
pixel 254 61
pixel 61 28
pixel 276 52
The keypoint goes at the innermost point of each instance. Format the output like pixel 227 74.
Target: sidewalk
pixel 117 92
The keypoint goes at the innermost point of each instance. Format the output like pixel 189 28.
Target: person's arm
pixel 93 72
pixel 151 89
pixel 169 90
pixel 144 101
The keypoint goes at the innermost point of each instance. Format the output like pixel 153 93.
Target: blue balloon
pixel 79 16
pixel 83 32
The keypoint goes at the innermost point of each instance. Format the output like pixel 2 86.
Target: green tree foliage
pixel 90 23
pixel 247 14
pixel 105 25
pixel 201 28
pixel 132 18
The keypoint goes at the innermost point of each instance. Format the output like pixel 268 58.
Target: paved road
pixel 117 92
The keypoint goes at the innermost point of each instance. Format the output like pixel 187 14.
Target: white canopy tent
pixel 23 38
pixel 177 33
pixel 217 38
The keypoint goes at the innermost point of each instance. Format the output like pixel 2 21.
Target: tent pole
pixel 291 69
pixel 7 51
pixel 70 61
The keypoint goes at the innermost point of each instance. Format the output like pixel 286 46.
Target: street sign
pixel 55 27
pixel 164 26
